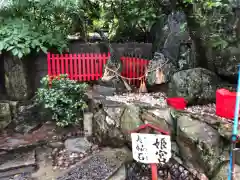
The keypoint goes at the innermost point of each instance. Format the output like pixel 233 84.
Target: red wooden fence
pixel 89 67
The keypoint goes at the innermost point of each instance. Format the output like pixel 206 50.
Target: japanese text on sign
pixel 151 148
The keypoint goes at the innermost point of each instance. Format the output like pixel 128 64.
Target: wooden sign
pixel 151 148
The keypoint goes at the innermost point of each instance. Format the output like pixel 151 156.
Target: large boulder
pixel 30 116
pixel 130 120
pixel 201 146
pixel 106 124
pixel 5 115
pixel 197 86
pixel 172 47
pixel 226 63
pixel 17 83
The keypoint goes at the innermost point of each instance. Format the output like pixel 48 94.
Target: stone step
pixel 100 166
pixel 47 133
pixel 16 163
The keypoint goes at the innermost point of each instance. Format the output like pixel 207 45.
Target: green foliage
pixel 65 99
pixel 20 38
pixel 33 25
pixel 128 17
pixel 214 18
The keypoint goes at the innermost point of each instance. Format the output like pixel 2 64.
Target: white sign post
pixel 151 148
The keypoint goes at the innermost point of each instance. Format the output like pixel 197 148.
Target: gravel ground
pixel 209 109
pixel 19 177
pixel 170 171
pixel 159 99
pixel 152 99
pixel 63 159
pixel 96 168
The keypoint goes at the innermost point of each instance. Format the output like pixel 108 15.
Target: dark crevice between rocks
pixel 2 80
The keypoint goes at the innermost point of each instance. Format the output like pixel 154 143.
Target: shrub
pixel 65 99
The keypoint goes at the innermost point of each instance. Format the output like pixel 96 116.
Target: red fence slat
pixel 53 65
pixel 70 66
pixel 91 63
pixel 62 64
pixel 97 66
pixel 75 67
pixel 83 67
pixel 79 67
pixel 66 64
pixel 58 65
pixel 135 65
pixel 88 67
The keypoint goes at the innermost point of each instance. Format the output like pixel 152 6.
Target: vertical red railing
pixel 101 64
pixel 62 59
pixel 75 66
pixel 80 77
pixel 88 67
pixel 66 64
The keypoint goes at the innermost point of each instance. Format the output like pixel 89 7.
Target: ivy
pixel 65 99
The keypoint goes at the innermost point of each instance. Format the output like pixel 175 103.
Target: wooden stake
pixel 142 88
pixel 127 85
pixel 159 77
pixel 154 172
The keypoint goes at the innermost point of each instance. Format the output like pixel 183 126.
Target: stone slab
pixel 80 145
pixel 14 163
pixel 100 166
pixel 103 90
pixel 47 133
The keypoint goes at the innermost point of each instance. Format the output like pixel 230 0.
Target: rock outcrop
pixel 18 86
pixel 197 86
pixel 5 115
pixel 199 141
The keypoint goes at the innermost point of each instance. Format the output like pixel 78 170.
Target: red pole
pixel 154 172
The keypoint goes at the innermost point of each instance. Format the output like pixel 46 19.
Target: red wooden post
pixel 131 68
pixel 88 67
pixel 71 66
pixel 84 70
pixel 140 71
pixel 100 64
pixel 134 65
pixel 53 66
pixel 62 63
pixel 75 66
pixel 58 64
pixel 154 172
pixel 97 65
pixel 80 77
pixel 125 62
pixel 66 64
pixel 92 64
